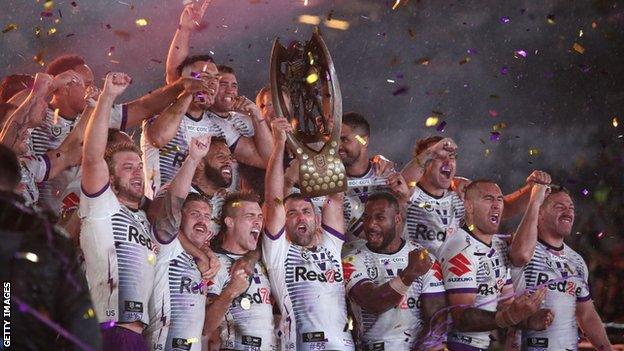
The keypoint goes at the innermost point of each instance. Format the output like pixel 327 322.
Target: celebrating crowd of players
pixel 199 239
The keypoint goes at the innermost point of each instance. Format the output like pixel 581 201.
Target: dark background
pixel 556 101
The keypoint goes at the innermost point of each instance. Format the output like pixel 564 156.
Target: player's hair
pixel 423 144
pixel 232 201
pixel 555 189
pixel 13 84
pixel 191 60
pixel 358 122
pixel 64 63
pixel 473 186
pixel 115 148
pixel 297 196
pixel 196 197
pixel 9 169
pixel 225 69
pixel 385 196
pixel 116 136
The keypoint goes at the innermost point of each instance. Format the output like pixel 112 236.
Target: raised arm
pixel 378 299
pixel 165 126
pixel 525 238
pixel 262 132
pixel 95 173
pixel 517 202
pixel 167 224
pixel 190 19
pixel 274 180
pixel 247 153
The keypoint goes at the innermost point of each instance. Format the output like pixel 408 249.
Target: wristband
pixel 397 285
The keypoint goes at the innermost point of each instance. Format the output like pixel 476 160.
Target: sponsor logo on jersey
pixel 437 270
pixel 181 344
pixel 347 269
pixel 328 276
pixel 422 232
pixel 135 236
pixel 192 287
pixel 460 265
pixel 260 296
pixel 56 131
pixel 566 287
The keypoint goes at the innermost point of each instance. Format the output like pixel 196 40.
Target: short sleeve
pixel 243 124
pixel 459 273
pixel 38 166
pixel 216 284
pixel 583 293
pixel 119 117
pixel 100 205
pixel 355 271
pixel 274 248
pixel 432 281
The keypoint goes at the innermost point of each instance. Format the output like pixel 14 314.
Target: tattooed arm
pixel 168 222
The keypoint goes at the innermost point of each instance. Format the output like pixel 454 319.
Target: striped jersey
pixel 431 220
pixel 246 327
pixel 177 305
pixel 308 285
pixel 472 266
pixel 161 165
pixel 34 169
pixel 241 122
pixel 49 136
pixel 565 274
pixel 398 327
pixel 119 252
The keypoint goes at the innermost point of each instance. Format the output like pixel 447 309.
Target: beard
pixel 216 177
pixel 350 159
pixel 127 191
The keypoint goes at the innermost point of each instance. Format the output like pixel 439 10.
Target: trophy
pixel 305 90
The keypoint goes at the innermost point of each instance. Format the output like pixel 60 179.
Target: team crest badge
pixel 372 272
pixel 56 131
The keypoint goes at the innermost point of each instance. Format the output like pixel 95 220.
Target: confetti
pixel 505 19
pixel 141 22
pixel 550 19
pixel 39 58
pixel 412 184
pixel 471 227
pixel 390 80
pixel 400 90
pixel 504 70
pixel 412 33
pixel 308 19
pixel 27 256
pixel 48 5
pixel 534 151
pixel 614 122
pixel 465 60
pixel 52 31
pixel 151 258
pixel 9 27
pixel 37 31
pixel 440 127
pixel 580 33
pixel 431 121
pixel 278 200
pixel 578 48
pixel 499 126
pixel 360 140
pixel 487 152
pixel 312 78
pixel 493 113
pixel 594 25
pixel 236 204
pixel 423 61
pixel 110 51
pixel 337 24
pixel 600 235
pixel 495 136
pixel 585 192
pixel 89 314
pixel 520 53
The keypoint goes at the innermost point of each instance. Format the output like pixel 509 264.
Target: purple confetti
pixel 494 136
pixel 520 53
pixel 195 75
pixel 440 127
pixel 400 76
pixel 471 51
pixel 585 192
pixel 401 90
pixel 504 70
pixel 505 19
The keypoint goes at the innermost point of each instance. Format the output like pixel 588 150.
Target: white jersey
pixel 246 329
pixel 432 220
pixel 33 169
pixel 397 328
pixel 471 266
pixel 565 274
pixel 49 136
pixel 309 289
pixel 242 123
pixel 177 305
pixel 161 165
pixel 118 248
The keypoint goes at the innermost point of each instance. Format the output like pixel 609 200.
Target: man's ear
pixel 229 222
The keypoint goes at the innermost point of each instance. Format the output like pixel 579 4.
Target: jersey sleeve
pixel 355 270
pixel 231 135
pixel 459 271
pixel 432 281
pixel 119 117
pixel 584 293
pixel 243 125
pixel 100 205
pixel 216 284
pixel 274 248
pixel 38 166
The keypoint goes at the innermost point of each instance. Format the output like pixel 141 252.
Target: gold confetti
pixel 350 323
pixel 51 31
pixel 278 200
pixel 578 48
pixel 9 27
pixel 310 57
pixel 236 204
pixel 471 227
pixel 487 152
pixel 89 314
pixel 308 19
pixel 580 33
pixel 534 151
pixel 312 78
pixel 360 140
pixel 48 5
pixel 37 31
pixel 615 122
pixel 550 19
pixel 465 60
pixel 141 22
pixel 192 340
pixel 431 121
pixel 423 255
pixel 151 258
pixel 499 126
pixel 337 24
pixel 412 184
pixel 399 3
pixel 39 58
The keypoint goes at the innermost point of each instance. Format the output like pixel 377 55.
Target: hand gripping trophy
pixel 305 90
